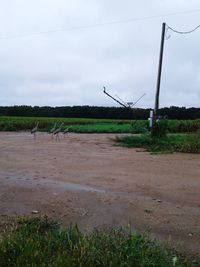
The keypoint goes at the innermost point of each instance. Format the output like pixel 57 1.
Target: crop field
pixel 12 123
pixel 80 125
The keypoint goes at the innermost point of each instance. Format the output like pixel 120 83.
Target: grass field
pixel 80 125
pixel 112 127
pixel 41 242
pixel 75 124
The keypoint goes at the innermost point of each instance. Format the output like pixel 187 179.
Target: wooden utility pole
pixel 159 72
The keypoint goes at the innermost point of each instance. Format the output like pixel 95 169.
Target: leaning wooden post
pixel 156 108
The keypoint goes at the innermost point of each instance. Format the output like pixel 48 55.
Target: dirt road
pixel 87 179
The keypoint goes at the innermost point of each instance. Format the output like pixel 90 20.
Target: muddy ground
pixel 87 179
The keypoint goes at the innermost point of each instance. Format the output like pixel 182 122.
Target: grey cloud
pixel 71 67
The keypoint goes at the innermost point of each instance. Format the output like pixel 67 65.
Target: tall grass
pixel 186 143
pixel 40 242
pixel 183 126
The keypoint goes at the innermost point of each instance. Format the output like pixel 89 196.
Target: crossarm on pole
pixel 104 90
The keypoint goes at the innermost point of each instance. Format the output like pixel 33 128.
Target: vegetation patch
pixel 8 123
pixel 101 128
pixel 111 127
pixel 187 143
pixel 183 126
pixel 85 125
pixel 41 242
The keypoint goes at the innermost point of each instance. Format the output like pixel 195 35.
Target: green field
pixel 41 242
pixel 45 124
pixel 80 125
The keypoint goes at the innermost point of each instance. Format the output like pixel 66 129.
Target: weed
pixel 40 242
pixel 187 143
pixel 160 129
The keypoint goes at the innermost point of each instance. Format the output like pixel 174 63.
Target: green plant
pixel 42 242
pixel 190 144
pixel 102 128
pixel 187 143
pixel 160 129
pixel 139 127
pixel 14 123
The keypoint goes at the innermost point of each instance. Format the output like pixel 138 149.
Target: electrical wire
pixel 181 32
pixel 99 24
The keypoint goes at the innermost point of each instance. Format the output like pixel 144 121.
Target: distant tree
pixel 98 112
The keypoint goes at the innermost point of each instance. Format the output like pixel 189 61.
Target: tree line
pixel 97 112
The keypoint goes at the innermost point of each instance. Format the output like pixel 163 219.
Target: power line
pixel 181 32
pixel 99 24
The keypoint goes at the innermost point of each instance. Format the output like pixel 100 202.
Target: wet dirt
pixel 88 180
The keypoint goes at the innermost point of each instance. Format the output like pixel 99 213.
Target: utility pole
pixel 159 73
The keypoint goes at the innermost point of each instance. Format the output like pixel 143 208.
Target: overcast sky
pixel 49 54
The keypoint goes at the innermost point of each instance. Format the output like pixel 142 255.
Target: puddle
pixel 17 180
pixel 78 187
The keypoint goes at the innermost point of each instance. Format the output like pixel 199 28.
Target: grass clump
pixel 41 242
pixel 187 143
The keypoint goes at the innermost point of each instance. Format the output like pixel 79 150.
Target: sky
pixel 62 52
